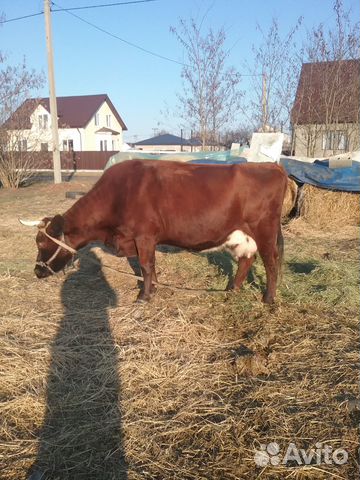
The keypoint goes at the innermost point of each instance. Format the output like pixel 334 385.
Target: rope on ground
pixel 158 284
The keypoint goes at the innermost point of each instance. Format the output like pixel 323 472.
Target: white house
pixel 85 123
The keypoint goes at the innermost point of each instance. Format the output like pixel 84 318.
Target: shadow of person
pixel 81 437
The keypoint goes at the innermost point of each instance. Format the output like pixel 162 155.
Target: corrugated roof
pixel 73 112
pixel 168 139
pixel 327 92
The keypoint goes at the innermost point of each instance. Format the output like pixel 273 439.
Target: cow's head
pixel 51 257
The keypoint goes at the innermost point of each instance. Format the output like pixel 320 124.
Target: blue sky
pixel 141 85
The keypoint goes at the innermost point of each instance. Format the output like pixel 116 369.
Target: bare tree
pixel 338 43
pixel 274 71
pixel 17 161
pixel 240 135
pixel 211 95
pixel 325 117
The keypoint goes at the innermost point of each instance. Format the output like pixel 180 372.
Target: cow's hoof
pixel 268 299
pixel 230 286
pixel 142 299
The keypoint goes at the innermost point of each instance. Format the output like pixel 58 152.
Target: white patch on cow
pixel 238 244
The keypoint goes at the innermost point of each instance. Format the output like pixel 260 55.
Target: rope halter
pixel 61 245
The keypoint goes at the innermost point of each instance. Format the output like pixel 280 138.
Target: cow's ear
pixel 56 226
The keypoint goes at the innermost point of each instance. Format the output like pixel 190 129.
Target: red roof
pixel 73 112
pixel 328 92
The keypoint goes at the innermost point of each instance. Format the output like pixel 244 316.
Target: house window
pixel 44 147
pixel 327 140
pixel 22 145
pixel 68 145
pixel 43 121
pixel 97 119
pixel 103 145
pixel 335 140
pixel 342 141
pixel 108 121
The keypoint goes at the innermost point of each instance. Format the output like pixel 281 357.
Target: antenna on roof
pixel 53 106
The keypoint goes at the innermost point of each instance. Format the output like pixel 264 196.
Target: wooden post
pixel 53 106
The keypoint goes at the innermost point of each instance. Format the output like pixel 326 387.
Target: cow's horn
pixel 32 223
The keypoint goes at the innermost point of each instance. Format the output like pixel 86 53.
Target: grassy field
pixel 191 386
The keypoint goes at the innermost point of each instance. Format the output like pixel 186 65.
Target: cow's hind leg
pixel 270 256
pixel 146 253
pixel 244 265
pixel 153 279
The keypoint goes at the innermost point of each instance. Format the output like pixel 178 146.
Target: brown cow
pixel 139 204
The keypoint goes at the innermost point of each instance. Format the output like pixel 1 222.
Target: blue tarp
pixel 320 175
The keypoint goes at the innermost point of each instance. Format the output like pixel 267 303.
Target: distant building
pixel 325 115
pixel 85 123
pixel 168 143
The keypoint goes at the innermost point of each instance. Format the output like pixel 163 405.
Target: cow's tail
pixel 280 238
pixel 280 247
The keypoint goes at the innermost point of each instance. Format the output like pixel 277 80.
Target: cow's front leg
pixel 125 247
pixel 146 254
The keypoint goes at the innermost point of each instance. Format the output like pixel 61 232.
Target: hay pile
pixel 290 198
pixel 325 209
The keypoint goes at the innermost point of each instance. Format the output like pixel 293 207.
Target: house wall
pixel 35 135
pixel 84 139
pixel 92 139
pixel 74 134
pixel 313 134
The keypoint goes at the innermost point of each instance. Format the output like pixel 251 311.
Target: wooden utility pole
pixel 264 104
pixel 53 106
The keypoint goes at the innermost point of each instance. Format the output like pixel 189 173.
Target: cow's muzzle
pixel 42 271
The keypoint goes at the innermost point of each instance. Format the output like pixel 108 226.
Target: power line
pixel 69 11
pixel 101 5
pixel 21 18
pixel 122 39
pixel 130 2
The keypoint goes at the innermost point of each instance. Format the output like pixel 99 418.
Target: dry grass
pixel 187 387
pixel 329 210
